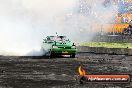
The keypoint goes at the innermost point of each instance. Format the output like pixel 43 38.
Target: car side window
pixel 48 38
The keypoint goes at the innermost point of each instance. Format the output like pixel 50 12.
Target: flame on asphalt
pixel 81 71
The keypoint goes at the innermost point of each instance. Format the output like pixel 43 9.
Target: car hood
pixel 65 44
pixel 61 44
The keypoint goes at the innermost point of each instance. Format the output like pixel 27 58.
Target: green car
pixel 58 45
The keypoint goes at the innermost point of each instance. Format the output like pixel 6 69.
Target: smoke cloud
pixel 24 23
pixel 89 14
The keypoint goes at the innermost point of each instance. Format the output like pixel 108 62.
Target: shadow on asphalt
pixel 42 57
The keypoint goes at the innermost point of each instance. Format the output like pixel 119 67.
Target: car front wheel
pixel 73 55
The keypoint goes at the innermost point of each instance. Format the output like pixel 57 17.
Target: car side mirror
pixel 45 41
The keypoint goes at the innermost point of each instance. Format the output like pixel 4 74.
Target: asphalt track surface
pixel 61 72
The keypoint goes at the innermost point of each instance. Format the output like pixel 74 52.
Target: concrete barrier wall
pixel 116 38
pixel 102 50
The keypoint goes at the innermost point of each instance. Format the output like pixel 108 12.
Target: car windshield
pixel 56 38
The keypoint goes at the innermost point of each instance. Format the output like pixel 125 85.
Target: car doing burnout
pixel 58 45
